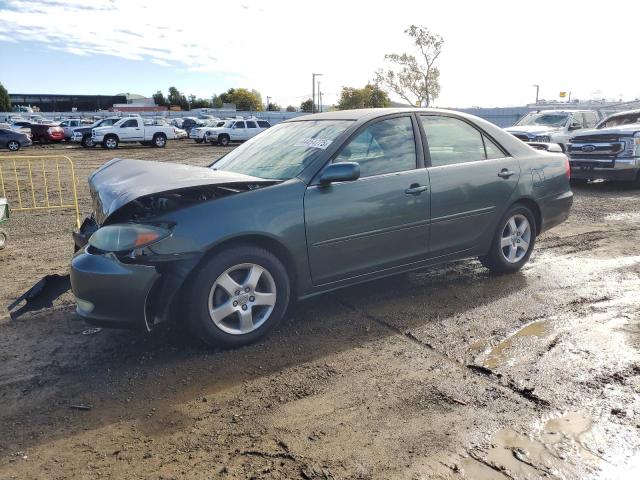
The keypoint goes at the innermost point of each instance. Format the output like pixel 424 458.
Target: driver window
pixel 385 147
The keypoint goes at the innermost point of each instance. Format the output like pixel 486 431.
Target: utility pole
pixel 313 91
pixel 537 92
pixel 268 102
pixel 319 97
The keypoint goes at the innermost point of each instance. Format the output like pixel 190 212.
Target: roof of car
pixel 366 113
pixel 623 113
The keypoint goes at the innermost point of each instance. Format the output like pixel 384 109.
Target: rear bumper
pixel 555 209
pixel 109 292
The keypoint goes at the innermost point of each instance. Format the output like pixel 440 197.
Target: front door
pixel 378 221
pixel 472 180
pixel 131 130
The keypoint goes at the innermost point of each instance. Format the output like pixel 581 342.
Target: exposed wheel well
pixel 535 209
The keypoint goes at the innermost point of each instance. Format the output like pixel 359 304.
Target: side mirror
pixel 575 126
pixel 340 172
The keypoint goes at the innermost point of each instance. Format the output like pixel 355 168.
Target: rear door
pixel 472 180
pixel 378 221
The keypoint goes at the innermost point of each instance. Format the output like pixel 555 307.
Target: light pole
pixel 268 101
pixel 313 91
pixel 319 98
pixel 537 91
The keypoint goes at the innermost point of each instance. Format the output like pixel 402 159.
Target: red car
pixel 44 133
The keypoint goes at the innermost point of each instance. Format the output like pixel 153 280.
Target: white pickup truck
pixel 132 129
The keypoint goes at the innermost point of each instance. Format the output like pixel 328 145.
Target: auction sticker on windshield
pixel 320 143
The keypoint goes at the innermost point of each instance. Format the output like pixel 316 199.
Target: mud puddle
pixel 565 447
pixel 505 354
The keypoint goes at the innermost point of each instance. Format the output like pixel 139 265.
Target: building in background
pixel 65 103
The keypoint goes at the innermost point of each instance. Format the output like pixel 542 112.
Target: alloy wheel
pixel 242 298
pixel 111 143
pixel 160 141
pixel 516 238
pixel 13 146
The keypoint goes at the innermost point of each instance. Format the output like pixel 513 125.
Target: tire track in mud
pixel 482 372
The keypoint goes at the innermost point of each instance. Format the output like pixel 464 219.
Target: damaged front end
pixel 129 267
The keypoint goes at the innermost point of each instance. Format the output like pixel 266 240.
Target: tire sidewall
pixel 156 138
pixel 200 287
pixel 496 251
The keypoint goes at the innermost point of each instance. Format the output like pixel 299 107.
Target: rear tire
pixel 237 296
pixel 159 140
pixel 513 241
pixel 223 140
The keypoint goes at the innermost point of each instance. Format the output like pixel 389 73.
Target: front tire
pixel 237 296
pixel 198 140
pixel 111 142
pixel 87 142
pixel 13 145
pixel 223 140
pixel 513 241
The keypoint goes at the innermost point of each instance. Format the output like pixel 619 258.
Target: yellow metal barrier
pixel 26 183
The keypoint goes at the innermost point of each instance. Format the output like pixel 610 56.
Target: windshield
pixel 283 151
pixel 545 119
pixel 617 120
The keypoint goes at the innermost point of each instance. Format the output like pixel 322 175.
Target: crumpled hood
pixel 121 181
pixel 533 129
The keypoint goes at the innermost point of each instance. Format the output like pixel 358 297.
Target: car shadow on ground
pixel 49 365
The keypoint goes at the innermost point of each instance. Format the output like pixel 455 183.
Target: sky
pixel 494 50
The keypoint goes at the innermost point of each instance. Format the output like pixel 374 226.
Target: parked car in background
pixel 69 125
pixel 132 129
pixel 83 134
pixel 46 133
pixel 180 133
pixel 189 122
pixel 13 140
pixel 198 133
pixel 553 126
pixel 313 204
pixel 611 151
pixel 236 131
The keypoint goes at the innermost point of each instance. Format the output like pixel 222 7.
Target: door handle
pixel 506 173
pixel 416 189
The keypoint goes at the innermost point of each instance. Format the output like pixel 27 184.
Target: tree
pixel 5 102
pixel 273 107
pixel 307 105
pixel 370 96
pixel 291 108
pixel 177 98
pixel 200 103
pixel 159 99
pixel 244 99
pixel 216 101
pixel 415 79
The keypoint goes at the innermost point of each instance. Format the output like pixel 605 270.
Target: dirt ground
pixel 448 373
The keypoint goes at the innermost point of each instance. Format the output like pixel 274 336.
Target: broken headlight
pixel 126 237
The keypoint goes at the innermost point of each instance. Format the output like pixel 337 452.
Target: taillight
pixel 567 168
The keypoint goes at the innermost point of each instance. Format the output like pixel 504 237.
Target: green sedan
pixel 310 205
